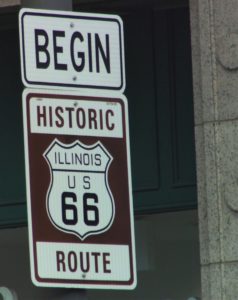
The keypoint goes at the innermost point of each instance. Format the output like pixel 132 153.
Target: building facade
pixel 181 84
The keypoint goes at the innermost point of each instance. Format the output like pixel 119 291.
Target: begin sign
pixel 79 189
pixel 71 50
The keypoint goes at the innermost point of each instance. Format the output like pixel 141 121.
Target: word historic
pixel 76 117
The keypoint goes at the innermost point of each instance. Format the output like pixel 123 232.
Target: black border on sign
pixel 48 84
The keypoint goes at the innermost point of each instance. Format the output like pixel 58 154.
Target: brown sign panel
pixel 79 190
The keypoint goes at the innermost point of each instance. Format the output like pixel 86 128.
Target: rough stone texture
pixel 228 164
pixel 215 59
pixel 231 280
pixel 217 149
pixel 220 281
pixel 207 194
pixel 214 27
pixel 202 62
pixel 225 51
pixel 211 282
pixel 227 105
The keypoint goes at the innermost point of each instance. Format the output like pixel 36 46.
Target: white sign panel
pixel 86 261
pixel 71 50
pixel 92 118
pixel 85 175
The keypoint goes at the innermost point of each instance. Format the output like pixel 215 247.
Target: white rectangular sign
pixel 85 261
pixel 71 50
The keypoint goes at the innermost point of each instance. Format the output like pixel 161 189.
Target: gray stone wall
pixel 214 27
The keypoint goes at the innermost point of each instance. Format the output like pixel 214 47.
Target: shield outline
pixel 87 147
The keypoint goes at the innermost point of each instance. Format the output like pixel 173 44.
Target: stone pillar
pixel 214 31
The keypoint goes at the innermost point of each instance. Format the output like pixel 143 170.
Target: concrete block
pixel 208 202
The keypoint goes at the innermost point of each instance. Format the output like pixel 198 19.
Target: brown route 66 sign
pixel 78 175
